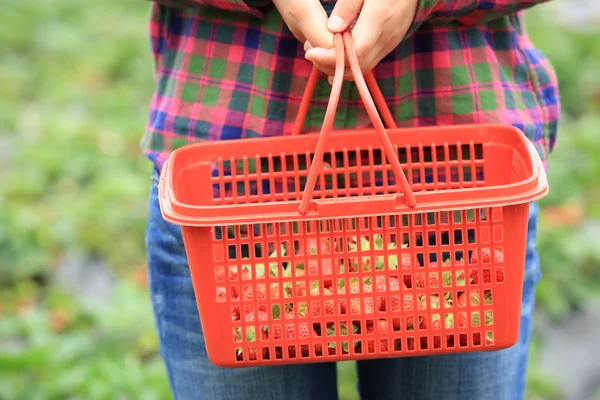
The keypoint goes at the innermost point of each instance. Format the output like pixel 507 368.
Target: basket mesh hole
pixel 435 321
pixel 237 334
pixel 235 313
pixel 463 340
pixel 475 318
pixel 487 297
pixel 278 352
pixel 487 275
pixel 397 344
pixel 291 351
pixel 449 318
pixel 489 317
pixel 331 348
pixel 248 291
pixel 410 344
pixel 266 355
pixel 460 278
pixel 275 311
pixel 249 313
pixel 474 297
pixel 357 347
pixel 434 281
pixel 251 334
pixel 471 236
pixel 220 274
pixel 500 275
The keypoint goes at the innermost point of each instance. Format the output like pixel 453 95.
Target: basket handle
pixel 347 42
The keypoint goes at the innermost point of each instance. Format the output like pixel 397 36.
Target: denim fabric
pixel 491 375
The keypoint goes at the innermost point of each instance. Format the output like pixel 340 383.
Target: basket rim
pixel 532 188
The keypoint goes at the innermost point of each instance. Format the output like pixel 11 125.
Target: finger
pixel 343 14
pixel 368 30
pixel 311 21
pixel 321 56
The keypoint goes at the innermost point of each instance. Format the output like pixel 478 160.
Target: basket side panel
pixel 359 288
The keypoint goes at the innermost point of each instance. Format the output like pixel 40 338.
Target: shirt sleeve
pixel 251 7
pixel 467 12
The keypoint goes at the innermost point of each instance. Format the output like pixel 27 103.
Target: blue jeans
pixel 489 375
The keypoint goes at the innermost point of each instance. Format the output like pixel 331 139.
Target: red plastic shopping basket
pixel 355 244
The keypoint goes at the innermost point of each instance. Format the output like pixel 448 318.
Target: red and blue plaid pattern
pixel 229 69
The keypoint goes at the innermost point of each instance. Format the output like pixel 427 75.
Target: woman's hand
pixel 378 27
pixel 307 20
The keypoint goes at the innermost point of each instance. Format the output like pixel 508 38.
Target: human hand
pixel 307 20
pixel 378 27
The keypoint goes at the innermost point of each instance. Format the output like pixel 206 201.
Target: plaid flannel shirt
pixel 229 69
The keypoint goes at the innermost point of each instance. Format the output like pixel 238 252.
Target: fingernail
pixel 307 46
pixel 330 80
pixel 335 23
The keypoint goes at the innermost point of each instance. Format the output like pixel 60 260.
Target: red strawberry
pixel 246 274
pixel 235 314
pixel 233 274
pixel 264 334
pixel 249 314
pixel 248 293
pixel 380 285
pixel 292 351
pixel 304 350
pixel 422 323
pixel 252 354
pixel 477 339
pixel 300 289
pixel 369 306
pixel 234 293
pixel 395 303
pixel 262 313
pixel 342 306
pixel 394 284
pixel 261 292
pixel 277 334
pixel 500 275
pixel 437 323
pixel 410 323
pixel 435 301
pixel 408 302
pixel 303 330
pixel 462 320
pixel 486 256
pixel 383 328
pixel 462 300
pixel 220 274
pixel 290 331
pixel 406 263
pixel 355 306
pixel 319 349
pixel 329 307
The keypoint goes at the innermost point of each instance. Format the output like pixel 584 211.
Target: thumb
pixel 344 12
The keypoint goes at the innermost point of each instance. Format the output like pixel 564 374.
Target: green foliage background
pixel 76 79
